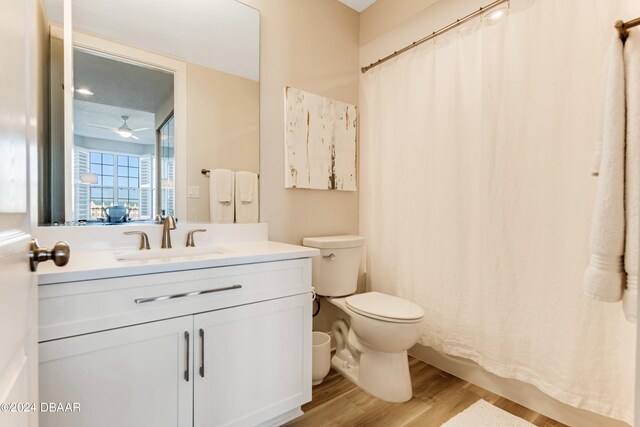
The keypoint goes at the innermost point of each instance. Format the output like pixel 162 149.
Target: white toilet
pixel 373 351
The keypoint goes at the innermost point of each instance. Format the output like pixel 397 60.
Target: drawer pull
pixel 188 344
pixel 186 294
pixel 202 353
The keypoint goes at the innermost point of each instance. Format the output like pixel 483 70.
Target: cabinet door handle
pixel 186 294
pixel 202 353
pixel 186 371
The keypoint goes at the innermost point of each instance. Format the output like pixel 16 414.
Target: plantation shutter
pixel 81 165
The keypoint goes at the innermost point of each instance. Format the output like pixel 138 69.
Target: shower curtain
pixel 476 196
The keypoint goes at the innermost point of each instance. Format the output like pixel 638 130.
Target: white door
pixel 18 348
pixel 127 377
pixel 255 363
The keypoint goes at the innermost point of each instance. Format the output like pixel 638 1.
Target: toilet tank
pixel 335 271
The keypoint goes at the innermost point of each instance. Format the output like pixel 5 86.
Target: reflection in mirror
pixel 190 71
pixel 166 166
pixel 118 108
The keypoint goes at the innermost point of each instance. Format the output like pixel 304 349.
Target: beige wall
pixel 311 45
pixel 384 15
pixel 222 129
pixel 389 25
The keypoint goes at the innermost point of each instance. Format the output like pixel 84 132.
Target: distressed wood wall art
pixel 320 142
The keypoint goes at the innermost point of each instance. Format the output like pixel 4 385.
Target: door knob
pixel 60 254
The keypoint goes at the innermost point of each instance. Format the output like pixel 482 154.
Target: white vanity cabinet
pixel 250 362
pixel 124 377
pixel 225 346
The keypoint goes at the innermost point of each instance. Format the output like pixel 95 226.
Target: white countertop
pixel 90 265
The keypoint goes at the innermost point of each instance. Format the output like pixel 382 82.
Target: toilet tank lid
pixel 333 242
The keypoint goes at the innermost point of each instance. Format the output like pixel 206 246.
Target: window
pixel 101 193
pixel 118 184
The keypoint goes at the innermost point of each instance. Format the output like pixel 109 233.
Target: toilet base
pixel 386 376
pixel 381 374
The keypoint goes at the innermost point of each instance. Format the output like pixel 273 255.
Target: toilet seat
pixel 385 307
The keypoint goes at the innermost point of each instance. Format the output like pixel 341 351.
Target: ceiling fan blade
pixel 134 137
pixel 103 127
pixel 138 130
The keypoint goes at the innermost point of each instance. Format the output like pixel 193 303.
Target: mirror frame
pixel 125 53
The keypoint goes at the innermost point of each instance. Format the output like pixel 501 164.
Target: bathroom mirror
pixel 161 90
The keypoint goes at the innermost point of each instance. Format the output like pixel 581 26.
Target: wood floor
pixel 437 396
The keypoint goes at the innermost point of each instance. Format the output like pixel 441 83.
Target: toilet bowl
pixel 371 350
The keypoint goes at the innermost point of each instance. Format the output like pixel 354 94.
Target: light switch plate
pixel 193 191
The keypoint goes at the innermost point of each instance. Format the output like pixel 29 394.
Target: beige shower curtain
pixel 477 196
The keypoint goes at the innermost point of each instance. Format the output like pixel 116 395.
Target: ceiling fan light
pixel 85 91
pixel 125 133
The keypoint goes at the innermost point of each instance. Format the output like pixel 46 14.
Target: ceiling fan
pixel 124 130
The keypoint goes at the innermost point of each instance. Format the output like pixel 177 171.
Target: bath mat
pixel 484 414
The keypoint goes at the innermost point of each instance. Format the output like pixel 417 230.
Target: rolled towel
pixel 632 175
pixel 604 277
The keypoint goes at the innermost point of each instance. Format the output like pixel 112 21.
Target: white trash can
pixel 321 357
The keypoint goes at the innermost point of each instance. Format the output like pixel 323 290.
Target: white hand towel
pixel 632 175
pixel 223 178
pixel 604 277
pixel 247 208
pixel 221 196
pixel 244 185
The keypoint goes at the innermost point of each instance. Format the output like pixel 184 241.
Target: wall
pixel 223 119
pixel 311 45
pixel 383 16
pixel 100 144
pixel 165 110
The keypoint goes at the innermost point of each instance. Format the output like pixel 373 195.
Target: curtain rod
pixel 441 31
pixel 622 27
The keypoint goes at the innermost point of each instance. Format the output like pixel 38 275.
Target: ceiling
pixel 358 5
pixel 120 89
pixel 221 34
pixel 89 113
pixel 121 84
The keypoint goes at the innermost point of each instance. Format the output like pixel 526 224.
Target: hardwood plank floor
pixel 437 396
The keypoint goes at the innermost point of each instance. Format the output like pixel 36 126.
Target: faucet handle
pixel 190 242
pixel 144 239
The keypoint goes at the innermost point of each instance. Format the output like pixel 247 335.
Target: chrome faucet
pixel 169 224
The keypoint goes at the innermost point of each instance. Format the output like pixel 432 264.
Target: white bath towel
pixel 632 175
pixel 221 196
pixel 604 277
pixel 247 209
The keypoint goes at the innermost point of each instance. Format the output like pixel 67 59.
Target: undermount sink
pixel 168 254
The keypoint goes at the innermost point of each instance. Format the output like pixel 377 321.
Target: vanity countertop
pixel 91 265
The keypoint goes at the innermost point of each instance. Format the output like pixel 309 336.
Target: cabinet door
pixel 255 363
pixel 133 376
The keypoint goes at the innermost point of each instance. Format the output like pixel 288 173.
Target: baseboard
pixel 283 419
pixel 517 391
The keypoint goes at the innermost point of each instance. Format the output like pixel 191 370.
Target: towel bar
pixel 205 172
